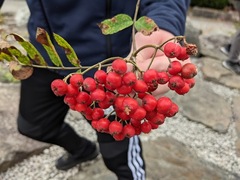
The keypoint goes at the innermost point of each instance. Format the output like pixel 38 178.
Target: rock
pixel 168 159
pixel 14 147
pixel 203 105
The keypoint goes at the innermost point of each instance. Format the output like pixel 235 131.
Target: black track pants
pixel 41 117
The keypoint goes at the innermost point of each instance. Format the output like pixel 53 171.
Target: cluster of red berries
pixel 129 94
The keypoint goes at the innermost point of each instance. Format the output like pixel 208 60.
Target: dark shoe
pixel 234 67
pixel 68 161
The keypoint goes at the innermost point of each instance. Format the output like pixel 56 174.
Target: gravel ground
pixel 209 145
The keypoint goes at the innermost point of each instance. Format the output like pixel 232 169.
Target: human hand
pixel 160 62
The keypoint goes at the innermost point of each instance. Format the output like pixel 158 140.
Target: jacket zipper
pixel 108 37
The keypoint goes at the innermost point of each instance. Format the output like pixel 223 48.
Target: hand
pixel 160 62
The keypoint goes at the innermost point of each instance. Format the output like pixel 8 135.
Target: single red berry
pixel 80 107
pixel 164 104
pixel 89 84
pixel 118 103
pixel 150 76
pixel 100 76
pixel 72 90
pixel 149 102
pixel 176 82
pixel 102 125
pixel 151 114
pixel 129 79
pixel 98 95
pixel 108 101
pixel 141 95
pixel 76 80
pixel 119 137
pixel 138 130
pixel 94 124
pixel 154 126
pixel 190 81
pixel 124 89
pixel 158 119
pixel 119 66
pixel 135 122
pixel 140 86
pixel 139 113
pixel 87 113
pixel 189 70
pixel 113 81
pixel 146 127
pixel 152 86
pixel 97 113
pixel 128 131
pixel 115 127
pixel 59 87
pixel 172 49
pixel 174 68
pixel 185 89
pixel 129 105
pixel 173 110
pixel 163 77
pixel 183 54
pixel 83 97
pixel 122 115
pixel 69 100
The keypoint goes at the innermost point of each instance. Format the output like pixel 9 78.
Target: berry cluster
pixel 129 94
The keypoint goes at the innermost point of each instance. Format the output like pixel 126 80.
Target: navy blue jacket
pixel 76 21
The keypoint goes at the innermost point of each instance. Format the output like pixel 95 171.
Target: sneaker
pixel 225 49
pixel 234 67
pixel 68 161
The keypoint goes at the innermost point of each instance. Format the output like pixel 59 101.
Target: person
pixel 232 51
pixel 41 113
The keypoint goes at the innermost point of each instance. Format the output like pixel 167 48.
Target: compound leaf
pixel 19 55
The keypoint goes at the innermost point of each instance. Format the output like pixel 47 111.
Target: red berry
pixel 129 105
pixel 173 110
pixel 119 137
pixel 139 113
pixel 185 89
pixel 191 82
pixel 140 86
pixel 172 49
pixel 97 113
pixel 124 89
pixel 89 84
pixel 149 102
pixel 158 119
pixel 59 87
pixel 135 122
pixel 163 78
pixel 146 127
pixel 119 66
pixel 189 70
pixel 154 126
pixel 128 131
pixel 103 124
pixel 83 97
pixel 100 76
pixel 69 100
pixel 150 76
pixel 129 78
pixel 183 54
pixel 98 95
pixel 113 81
pixel 80 107
pixel 72 90
pixel 164 104
pixel 176 82
pixel 76 80
pixel 115 127
pixel 174 67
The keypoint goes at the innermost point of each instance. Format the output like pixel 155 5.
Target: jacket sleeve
pixel 169 15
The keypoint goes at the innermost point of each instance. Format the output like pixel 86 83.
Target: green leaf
pixel 115 24
pixel 145 25
pixel 33 53
pixel 70 53
pixel 43 38
pixel 19 55
pixel 4 56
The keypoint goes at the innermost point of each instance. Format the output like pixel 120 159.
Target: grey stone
pixel 203 105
